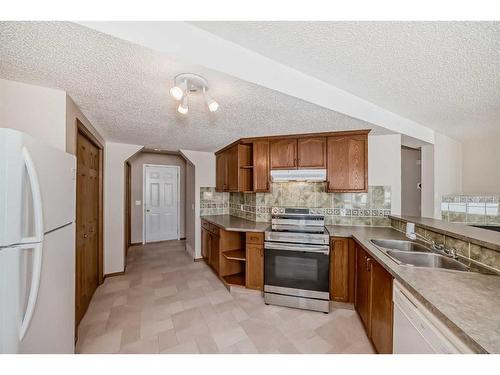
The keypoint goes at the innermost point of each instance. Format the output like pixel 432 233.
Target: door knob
pixel 147 210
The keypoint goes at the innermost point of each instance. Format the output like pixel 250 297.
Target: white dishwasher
pixel 417 330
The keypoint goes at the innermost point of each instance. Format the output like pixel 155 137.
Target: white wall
pixel 447 169
pixel 35 110
pixel 204 163
pixel 114 201
pixel 384 165
pixel 481 167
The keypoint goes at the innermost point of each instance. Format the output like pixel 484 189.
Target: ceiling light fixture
pixel 183 107
pixel 189 83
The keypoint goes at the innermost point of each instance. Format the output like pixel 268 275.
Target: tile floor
pixel 166 303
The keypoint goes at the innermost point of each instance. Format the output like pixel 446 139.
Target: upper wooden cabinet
pixel 284 153
pixel 245 165
pixel 311 152
pixel 261 166
pixel 220 172
pixel 347 163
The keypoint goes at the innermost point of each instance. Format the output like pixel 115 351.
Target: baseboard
pixel 198 259
pixel 114 274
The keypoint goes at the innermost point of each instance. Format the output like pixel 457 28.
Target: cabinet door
pixel 284 153
pixel 339 270
pixel 311 152
pixel 347 163
pixel 381 309
pixel 220 172
pixel 261 166
pixel 255 267
pixel 232 166
pixel 214 252
pixel 363 287
pixel 205 244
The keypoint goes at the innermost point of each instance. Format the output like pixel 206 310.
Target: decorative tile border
pixel 366 209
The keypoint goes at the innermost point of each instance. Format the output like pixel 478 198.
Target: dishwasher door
pixel 416 331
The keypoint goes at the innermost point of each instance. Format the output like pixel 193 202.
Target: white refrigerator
pixel 37 246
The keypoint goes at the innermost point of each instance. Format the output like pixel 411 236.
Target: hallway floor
pixel 166 303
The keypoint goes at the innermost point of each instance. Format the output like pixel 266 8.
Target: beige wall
pixel 411 176
pixel 35 110
pixel 481 167
pixel 115 155
pixel 72 114
pixel 137 163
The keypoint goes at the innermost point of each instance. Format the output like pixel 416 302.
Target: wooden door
pixel 347 163
pixel 87 224
pixel 283 153
pixel 214 252
pixel 311 152
pixel 220 172
pixel 363 287
pixel 232 167
pixel 255 266
pixel 381 309
pixel 261 166
pixel 339 270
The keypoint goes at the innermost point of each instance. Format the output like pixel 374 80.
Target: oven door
pixel 296 266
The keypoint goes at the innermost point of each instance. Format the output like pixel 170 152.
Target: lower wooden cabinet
pixel 381 309
pixel 205 244
pixel 214 254
pixel 373 300
pixel 255 267
pixel 342 267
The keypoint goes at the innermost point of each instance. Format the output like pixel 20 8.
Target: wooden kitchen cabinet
pixel 255 260
pixel 261 166
pixel 283 153
pixel 342 269
pixel 214 256
pixel 363 287
pixel 311 152
pixel 373 300
pixel 347 163
pixel 381 309
pixel 220 172
pixel 205 244
pixel 232 165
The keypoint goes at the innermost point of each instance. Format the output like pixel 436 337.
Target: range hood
pixel 312 175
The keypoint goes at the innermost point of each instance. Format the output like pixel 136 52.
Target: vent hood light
pixel 311 175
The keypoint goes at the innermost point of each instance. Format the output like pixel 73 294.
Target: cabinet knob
pixel 368 262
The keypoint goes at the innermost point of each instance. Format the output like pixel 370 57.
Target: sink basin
pixel 429 260
pixel 401 245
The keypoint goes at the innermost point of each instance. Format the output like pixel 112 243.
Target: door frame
pixel 82 130
pixel 144 166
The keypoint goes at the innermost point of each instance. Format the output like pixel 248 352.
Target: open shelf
pixel 235 254
pixel 235 279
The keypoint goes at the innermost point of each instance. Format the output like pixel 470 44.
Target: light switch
pixel 137 203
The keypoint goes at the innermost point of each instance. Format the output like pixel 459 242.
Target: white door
pixel 161 203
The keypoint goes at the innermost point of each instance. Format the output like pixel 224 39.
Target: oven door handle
pixel 322 249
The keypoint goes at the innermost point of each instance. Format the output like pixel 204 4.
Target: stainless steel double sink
pixel 412 253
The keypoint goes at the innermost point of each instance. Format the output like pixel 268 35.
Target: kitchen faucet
pixel 440 248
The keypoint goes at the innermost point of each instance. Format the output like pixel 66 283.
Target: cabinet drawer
pixel 205 224
pixel 256 238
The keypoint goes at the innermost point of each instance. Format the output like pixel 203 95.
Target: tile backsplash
pixel 367 209
pixel 471 209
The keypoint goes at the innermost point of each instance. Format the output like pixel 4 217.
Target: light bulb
pixel 183 107
pixel 176 92
pixel 213 105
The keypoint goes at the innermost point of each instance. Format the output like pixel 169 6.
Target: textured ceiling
pixel 122 88
pixel 444 75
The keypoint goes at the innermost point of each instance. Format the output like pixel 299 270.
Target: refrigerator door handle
pixel 35 286
pixel 37 199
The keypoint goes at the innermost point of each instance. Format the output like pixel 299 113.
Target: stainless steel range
pixel 297 259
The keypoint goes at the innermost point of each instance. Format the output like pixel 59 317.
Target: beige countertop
pixel 235 224
pixel 479 236
pixel 468 303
